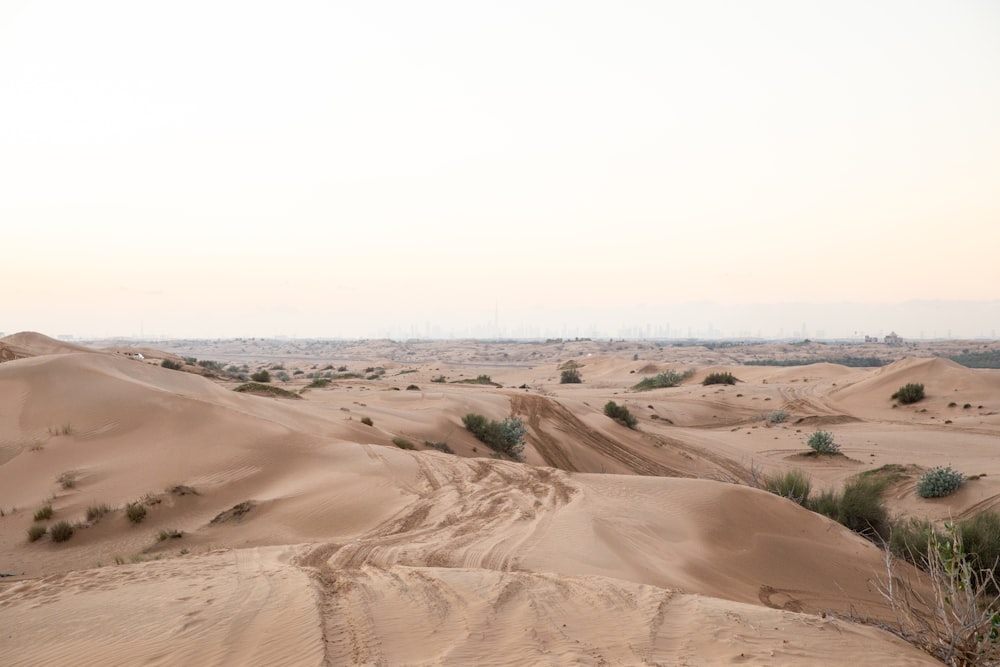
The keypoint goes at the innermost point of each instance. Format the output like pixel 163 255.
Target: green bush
pixel 859 506
pixel 36 532
pixel 793 484
pixel 171 365
pixel 822 442
pixel 777 417
pixel 506 437
pixel 719 378
pixel 61 531
pixel 261 376
pixel 939 482
pixel 665 379
pixel 318 383
pixel 266 389
pixel 135 512
pixel 909 393
pixel 570 376
pixel 402 443
pixel 620 414
pixel 981 537
pixel 44 514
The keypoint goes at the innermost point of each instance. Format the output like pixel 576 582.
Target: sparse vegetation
pixel 440 446
pixel 318 383
pixel 402 443
pixel 793 484
pixel 822 443
pixel 261 376
pixel 61 531
pixel 367 421
pixel 36 532
pixel 859 506
pixel 171 534
pixel 135 512
pixel 959 622
pixel 909 393
pixel 266 390
pixel 44 514
pixel 505 437
pixel 719 378
pixel 777 417
pixel 620 414
pixel 439 379
pixel 570 376
pixel 939 482
pixel 67 480
pixel 95 512
pixel 171 365
pixel 482 379
pixel 669 378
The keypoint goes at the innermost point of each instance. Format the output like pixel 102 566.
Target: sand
pixel 290 532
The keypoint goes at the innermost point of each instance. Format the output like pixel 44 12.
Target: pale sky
pixel 210 169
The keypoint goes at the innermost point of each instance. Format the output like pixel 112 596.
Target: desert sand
pixel 283 531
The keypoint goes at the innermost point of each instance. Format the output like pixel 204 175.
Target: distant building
pixel 871 339
pixel 893 339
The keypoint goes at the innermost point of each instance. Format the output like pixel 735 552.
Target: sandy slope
pixel 342 550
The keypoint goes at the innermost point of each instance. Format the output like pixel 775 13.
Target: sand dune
pixel 303 536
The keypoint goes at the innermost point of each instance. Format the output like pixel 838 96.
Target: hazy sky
pixel 342 168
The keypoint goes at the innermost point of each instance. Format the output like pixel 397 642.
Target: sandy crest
pixel 313 543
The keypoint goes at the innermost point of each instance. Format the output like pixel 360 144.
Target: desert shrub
pixel 210 365
pixel 283 376
pixel 412 387
pixel 858 506
pixel 862 508
pixel 261 376
pixel 61 531
pixel 957 620
pixel 939 482
pixel 822 442
pixel 620 414
pixel 440 446
pixel 506 437
pixel 135 512
pixel 67 480
pixel 439 379
pixel 909 393
pixel 171 365
pixel 719 378
pixel 44 514
pixel 669 378
pixel 570 376
pixel 793 484
pixel 36 532
pixel 318 383
pixel 95 512
pixel 981 537
pixel 270 390
pixel 367 421
pixel 777 417
pixel 172 534
pixel 402 443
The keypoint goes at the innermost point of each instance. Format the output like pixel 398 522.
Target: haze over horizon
pixel 522 169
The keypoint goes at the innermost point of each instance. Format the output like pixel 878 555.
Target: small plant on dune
pixel 440 446
pixel 794 485
pixel 171 365
pixel 67 480
pixel 959 621
pixel 135 512
pixel 95 512
pixel 402 443
pixel 318 383
pixel 505 437
pixel 719 378
pixel 171 534
pixel 61 531
pixel 909 393
pixel 439 379
pixel 261 376
pixel 620 414
pixel 367 421
pixel 822 442
pixel 570 376
pixel 44 514
pixel 665 379
pixel 939 482
pixel 858 506
pixel 36 532
pixel 777 417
